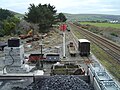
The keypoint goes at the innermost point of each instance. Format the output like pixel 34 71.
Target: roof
pixel 2 44
pixel 52 54
pixel 110 85
pixel 83 40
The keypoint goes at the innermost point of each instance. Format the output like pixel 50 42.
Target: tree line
pixel 43 15
pixel 8 22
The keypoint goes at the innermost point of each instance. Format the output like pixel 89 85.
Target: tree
pixel 43 15
pixel 8 22
pixel 62 17
pixel 13 19
pixel 8 27
pixel 4 14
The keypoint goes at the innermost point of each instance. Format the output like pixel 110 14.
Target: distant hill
pixel 91 17
pixel 18 15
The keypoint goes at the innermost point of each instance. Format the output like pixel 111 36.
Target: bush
pixel 2 33
pixel 114 34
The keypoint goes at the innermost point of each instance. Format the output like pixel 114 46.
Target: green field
pixel 102 24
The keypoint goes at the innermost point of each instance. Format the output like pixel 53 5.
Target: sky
pixel 67 6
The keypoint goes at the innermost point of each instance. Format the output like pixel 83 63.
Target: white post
pixel 64 44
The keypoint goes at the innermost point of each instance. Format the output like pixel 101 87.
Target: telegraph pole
pixel 40 61
pixel 63 28
pixel 64 45
pixel 41 56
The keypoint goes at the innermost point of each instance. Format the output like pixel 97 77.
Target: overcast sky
pixel 67 6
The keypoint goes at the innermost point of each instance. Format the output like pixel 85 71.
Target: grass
pixel 19 15
pixel 107 61
pixel 103 24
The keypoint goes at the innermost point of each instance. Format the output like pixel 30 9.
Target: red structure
pixel 63 27
pixel 35 57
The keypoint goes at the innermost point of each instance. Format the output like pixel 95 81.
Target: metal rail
pixel 107 45
pixel 15 76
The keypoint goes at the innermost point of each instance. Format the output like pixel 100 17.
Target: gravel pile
pixel 60 83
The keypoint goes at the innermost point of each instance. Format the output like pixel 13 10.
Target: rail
pixel 108 46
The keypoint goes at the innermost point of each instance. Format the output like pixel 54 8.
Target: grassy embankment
pixel 103 24
pixel 107 61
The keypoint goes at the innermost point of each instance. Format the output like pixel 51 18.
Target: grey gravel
pixel 60 82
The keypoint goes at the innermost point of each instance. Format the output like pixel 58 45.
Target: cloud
pixel 108 10
pixel 71 6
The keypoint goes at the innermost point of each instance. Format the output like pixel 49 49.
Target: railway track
pixel 87 60
pixel 111 48
pixel 82 60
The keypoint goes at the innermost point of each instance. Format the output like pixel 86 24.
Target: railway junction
pixel 94 78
